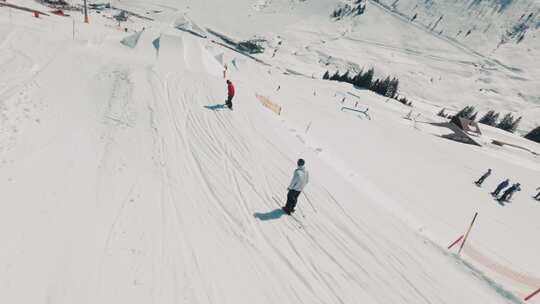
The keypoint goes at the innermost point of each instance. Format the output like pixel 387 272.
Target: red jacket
pixel 230 89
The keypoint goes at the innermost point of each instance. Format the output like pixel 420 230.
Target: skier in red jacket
pixel 230 94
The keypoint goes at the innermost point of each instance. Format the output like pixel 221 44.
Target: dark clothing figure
pixel 509 192
pixel 292 199
pixel 298 182
pixel 481 179
pixel 500 187
pixel 230 94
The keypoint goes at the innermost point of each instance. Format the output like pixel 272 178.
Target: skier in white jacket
pixel 299 181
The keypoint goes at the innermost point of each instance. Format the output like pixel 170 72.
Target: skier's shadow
pixel 271 215
pixel 216 107
pixel 502 203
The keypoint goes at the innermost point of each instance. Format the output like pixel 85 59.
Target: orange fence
pixel 269 104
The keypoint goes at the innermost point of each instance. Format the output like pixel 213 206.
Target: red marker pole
pixel 85 12
pixel 467 234
pixel 532 295
pixel 455 242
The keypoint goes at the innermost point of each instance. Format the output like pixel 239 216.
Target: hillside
pixel 125 179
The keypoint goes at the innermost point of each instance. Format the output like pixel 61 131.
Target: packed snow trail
pixel 143 191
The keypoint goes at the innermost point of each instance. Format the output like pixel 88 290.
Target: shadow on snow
pixel 271 215
pixel 216 107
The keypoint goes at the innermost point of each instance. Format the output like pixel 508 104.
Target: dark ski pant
pixel 292 199
pixel 481 180
pixel 229 102
pixel 506 195
pixel 497 191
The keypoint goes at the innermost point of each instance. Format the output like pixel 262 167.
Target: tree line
pixel 387 87
pixel 508 122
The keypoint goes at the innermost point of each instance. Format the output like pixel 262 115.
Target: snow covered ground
pixel 124 180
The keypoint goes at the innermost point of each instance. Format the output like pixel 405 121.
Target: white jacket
pixel 300 179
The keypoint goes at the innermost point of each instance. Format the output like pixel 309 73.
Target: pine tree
pixel 506 123
pixel 385 89
pixel 336 76
pixel 462 112
pixel 375 86
pixel 367 78
pixel 345 77
pixel 466 112
pixel 495 119
pixel 441 113
pixel 515 125
pixel 534 134
pixel 404 101
pixel 326 76
pixel 393 88
pixel 357 80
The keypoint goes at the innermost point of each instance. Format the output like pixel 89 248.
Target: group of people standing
pixel 506 194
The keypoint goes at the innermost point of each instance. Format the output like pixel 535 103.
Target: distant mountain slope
pixel 482 24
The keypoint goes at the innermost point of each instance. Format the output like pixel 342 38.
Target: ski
pixel 294 219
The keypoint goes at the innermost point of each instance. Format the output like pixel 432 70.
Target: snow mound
pixel 185 52
pixel 132 40
pixel 171 52
pixel 185 24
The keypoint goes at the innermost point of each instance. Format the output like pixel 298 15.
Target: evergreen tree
pixel 393 88
pixel 326 76
pixel 462 112
pixel 336 76
pixel 466 112
pixel 404 101
pixel 490 118
pixel 515 125
pixel 345 77
pixel 534 135
pixel 357 80
pixel 487 119
pixel 506 123
pixel 496 118
pixel 441 113
pixel 367 78
pixel 385 87
pixel 375 85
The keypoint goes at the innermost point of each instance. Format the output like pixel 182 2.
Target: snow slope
pixel 482 25
pixel 124 180
pixel 432 69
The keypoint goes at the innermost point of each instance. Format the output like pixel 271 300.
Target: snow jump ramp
pixel 186 52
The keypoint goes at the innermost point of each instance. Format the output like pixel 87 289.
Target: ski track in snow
pixel 165 192
pixel 217 152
